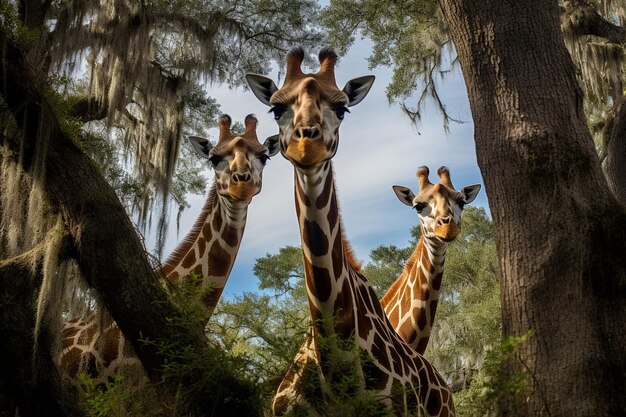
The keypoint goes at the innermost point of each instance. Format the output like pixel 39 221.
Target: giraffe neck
pixel 326 260
pixel 336 290
pixel 210 248
pixel 411 301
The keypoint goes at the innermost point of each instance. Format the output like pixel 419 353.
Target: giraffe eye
pixel 264 158
pixel 341 112
pixel 419 207
pixel 215 160
pixel 278 111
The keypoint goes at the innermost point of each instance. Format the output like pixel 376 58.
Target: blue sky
pixel 379 147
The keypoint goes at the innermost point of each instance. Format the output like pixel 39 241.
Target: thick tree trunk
pixel 28 379
pixel 614 134
pixel 560 233
pixel 108 249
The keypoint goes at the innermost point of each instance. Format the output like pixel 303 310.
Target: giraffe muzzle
pixel 241 177
pixel 306 151
pixel 307 132
pixel 447 231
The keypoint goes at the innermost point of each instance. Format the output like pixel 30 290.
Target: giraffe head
pixel 309 107
pixel 238 160
pixel 439 206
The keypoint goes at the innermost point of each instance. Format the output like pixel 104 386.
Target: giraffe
pixel 96 345
pixel 344 308
pixel 411 301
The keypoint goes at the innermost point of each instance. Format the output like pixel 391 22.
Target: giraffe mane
pixel 345 244
pixel 183 247
pixel 349 253
pixel 410 263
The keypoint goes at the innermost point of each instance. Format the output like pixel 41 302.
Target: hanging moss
pixel 143 60
pixel 598 61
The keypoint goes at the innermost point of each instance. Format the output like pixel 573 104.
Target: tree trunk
pixel 614 138
pixel 560 233
pixel 28 379
pixel 108 250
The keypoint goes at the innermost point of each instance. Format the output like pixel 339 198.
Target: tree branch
pixel 580 18
pixel 613 154
pixel 88 109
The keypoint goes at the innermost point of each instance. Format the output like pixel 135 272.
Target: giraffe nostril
pixel 241 177
pixel 314 132
pixel 305 132
pixel 310 132
pixel 444 220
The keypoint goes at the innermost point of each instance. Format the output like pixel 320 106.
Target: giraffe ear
pixel 470 192
pixel 201 145
pixel 357 88
pixel 404 194
pixel 271 144
pixel 262 87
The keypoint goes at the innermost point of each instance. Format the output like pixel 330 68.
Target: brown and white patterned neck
pixel 210 248
pixel 411 302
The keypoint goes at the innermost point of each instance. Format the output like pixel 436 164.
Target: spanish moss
pixel 598 60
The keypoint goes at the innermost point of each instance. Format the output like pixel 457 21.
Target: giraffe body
pixel 344 308
pixel 95 344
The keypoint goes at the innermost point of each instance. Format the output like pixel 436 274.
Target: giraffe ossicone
pixel 345 310
pixel 411 301
pixel 95 344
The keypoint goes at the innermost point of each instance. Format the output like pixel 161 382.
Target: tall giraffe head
pixel 439 206
pixel 309 107
pixel 237 160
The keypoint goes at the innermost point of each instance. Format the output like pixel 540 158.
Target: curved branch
pixel 613 153
pixel 580 18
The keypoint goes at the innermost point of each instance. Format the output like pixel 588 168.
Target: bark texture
pixel 108 250
pixel 614 147
pixel 29 380
pixel 560 233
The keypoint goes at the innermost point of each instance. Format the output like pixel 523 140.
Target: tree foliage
pixel 409 36
pixel 266 330
pixel 137 73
